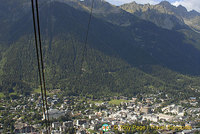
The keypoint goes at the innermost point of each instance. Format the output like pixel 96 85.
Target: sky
pixel 189 4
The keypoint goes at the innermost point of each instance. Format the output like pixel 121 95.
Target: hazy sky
pixel 189 4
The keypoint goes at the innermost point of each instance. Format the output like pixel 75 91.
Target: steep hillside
pixel 117 60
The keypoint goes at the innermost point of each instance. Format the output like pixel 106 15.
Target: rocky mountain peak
pixel 182 8
pixel 165 4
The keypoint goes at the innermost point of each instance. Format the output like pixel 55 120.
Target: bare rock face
pixel 165 15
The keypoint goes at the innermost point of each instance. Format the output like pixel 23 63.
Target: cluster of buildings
pixel 88 116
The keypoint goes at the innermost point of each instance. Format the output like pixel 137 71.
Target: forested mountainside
pixel 124 56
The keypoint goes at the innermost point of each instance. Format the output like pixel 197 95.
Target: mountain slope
pixel 117 57
pixel 146 36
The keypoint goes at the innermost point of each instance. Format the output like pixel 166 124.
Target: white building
pixel 165 117
pixel 150 117
pixel 55 125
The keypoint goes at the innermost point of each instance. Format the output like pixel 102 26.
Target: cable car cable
pixel 87 33
pixel 42 61
pixel 39 66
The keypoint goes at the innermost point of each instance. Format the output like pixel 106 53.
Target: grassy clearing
pixel 14 93
pixel 38 91
pixel 2 95
pixel 117 102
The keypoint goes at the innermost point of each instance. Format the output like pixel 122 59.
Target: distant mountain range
pixel 131 49
pixel 165 15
